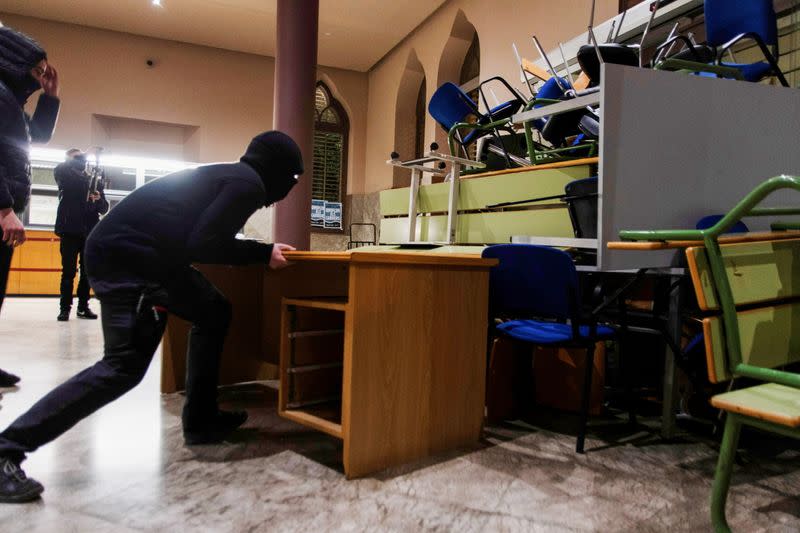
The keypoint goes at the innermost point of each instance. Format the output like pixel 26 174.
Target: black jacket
pixel 17 130
pixel 191 216
pixel 76 215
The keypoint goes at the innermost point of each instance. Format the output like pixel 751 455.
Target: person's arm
pixel 70 178
pixel 7 110
pixel 213 239
pixel 101 204
pixel 43 122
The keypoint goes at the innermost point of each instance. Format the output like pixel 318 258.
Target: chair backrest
pixel 582 206
pixel 764 282
pixel 450 105
pixel 533 280
pixel 726 19
pixel 709 220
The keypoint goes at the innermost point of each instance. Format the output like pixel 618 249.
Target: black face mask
pixel 277 160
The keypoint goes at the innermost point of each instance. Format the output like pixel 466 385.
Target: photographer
pixel 79 209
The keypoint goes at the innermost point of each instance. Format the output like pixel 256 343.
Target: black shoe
pixel 15 486
pixel 86 313
pixel 217 430
pixel 63 316
pixel 8 380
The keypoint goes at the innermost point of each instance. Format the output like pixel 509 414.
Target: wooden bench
pixel 749 291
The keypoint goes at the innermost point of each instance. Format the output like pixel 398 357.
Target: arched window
pixel 331 130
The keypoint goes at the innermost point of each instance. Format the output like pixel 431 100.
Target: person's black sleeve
pixel 213 239
pixel 6 146
pixel 70 178
pixel 101 205
pixel 43 122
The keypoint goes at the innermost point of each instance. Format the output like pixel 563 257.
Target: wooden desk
pixel 399 335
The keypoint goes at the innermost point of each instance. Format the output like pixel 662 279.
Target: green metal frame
pixel 689 67
pixel 745 208
pixel 535 155
pixel 547 155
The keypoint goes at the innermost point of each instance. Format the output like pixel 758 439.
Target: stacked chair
pixel 749 292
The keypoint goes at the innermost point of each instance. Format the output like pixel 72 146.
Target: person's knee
pixel 217 315
pixel 120 376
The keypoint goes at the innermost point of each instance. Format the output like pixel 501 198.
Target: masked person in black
pixel 78 212
pixel 23 71
pixel 139 263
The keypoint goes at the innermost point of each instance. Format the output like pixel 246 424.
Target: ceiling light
pixel 157 3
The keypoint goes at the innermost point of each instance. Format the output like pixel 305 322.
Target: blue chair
pixel 710 220
pixel 452 108
pixel 727 24
pixel 539 286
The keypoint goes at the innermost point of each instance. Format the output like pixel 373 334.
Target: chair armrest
pixel 682 38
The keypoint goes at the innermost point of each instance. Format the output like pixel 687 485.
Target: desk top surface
pixel 440 255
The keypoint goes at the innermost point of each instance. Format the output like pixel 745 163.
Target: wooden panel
pixel 36 265
pixel 415 356
pixel 757 272
pixel 482 228
pixel 478 191
pixel 770 338
pixel 242 359
pixel 545 166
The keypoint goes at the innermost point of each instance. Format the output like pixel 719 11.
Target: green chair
pixel 749 290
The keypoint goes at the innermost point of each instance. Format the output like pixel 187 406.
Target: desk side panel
pixel 415 356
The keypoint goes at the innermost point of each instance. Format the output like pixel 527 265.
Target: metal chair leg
pixel 587 393
pixel 722 477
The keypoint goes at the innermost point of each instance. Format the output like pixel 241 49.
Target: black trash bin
pixel 581 199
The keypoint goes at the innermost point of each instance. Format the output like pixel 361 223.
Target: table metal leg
pixel 674 331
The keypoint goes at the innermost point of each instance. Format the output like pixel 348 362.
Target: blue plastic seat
pixel 451 106
pixel 539 332
pixel 727 23
pixel 541 284
pixel 710 220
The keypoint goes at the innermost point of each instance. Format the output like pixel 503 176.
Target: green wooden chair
pixel 750 292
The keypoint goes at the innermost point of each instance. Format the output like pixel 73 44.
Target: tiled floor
pixel 126 468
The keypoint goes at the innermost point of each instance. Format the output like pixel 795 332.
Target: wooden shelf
pixel 318 417
pixel 332 303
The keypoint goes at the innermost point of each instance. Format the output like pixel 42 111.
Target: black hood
pixel 18 55
pixel 277 159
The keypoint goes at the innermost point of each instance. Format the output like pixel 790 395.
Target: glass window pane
pixel 42 210
pixel 41 175
pixel 121 178
pixel 329 116
pixel 321 101
pixel 150 175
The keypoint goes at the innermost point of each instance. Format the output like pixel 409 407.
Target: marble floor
pixel 126 468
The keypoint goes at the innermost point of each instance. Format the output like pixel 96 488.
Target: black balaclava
pixel 18 55
pixel 277 159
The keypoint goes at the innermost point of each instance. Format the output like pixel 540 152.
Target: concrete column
pixel 295 81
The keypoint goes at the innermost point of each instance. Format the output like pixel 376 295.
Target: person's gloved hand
pixel 277 261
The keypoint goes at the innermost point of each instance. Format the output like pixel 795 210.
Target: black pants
pixel 6 252
pixel 73 246
pixel 132 332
